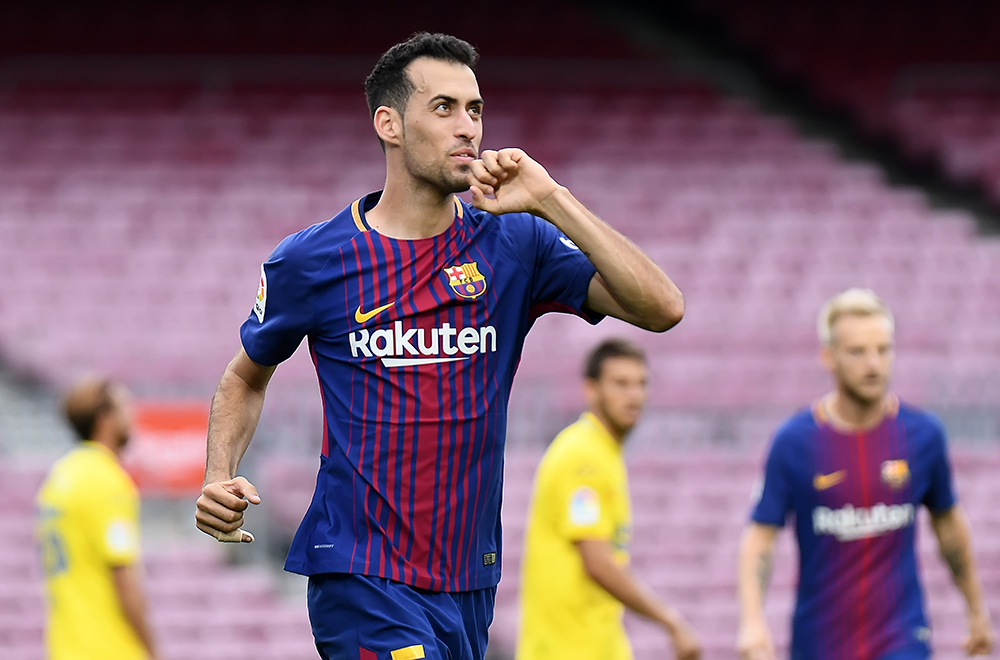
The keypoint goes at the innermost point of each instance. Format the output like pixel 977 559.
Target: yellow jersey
pixel 88 523
pixel 580 492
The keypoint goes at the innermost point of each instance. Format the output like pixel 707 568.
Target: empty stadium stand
pixel 134 225
pixel 925 73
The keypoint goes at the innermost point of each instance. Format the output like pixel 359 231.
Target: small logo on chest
pixel 895 474
pixel 466 280
pixel 825 481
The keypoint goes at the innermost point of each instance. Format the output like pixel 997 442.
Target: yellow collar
pixel 603 432
pixel 90 444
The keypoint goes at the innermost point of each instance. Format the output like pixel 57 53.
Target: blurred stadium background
pixel 767 154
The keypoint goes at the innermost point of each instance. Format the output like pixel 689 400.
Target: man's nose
pixel 466 127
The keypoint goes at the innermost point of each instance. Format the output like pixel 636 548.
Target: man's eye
pixel 442 106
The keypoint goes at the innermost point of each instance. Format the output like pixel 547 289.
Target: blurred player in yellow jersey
pixel 575 579
pixel 88 531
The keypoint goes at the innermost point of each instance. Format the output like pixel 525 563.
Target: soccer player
pixel 853 469
pixel 416 306
pixel 88 532
pixel 575 579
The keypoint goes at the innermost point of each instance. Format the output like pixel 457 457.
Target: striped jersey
pixel 854 497
pixel 415 344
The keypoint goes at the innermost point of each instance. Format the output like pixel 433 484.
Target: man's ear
pixel 826 358
pixel 388 125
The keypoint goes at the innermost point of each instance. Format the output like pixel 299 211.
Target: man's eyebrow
pixel 452 100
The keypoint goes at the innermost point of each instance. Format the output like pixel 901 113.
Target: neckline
pixel 822 416
pixel 602 430
pixel 366 203
pixel 90 444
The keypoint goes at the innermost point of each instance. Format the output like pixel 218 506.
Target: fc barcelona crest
pixel 895 474
pixel 466 281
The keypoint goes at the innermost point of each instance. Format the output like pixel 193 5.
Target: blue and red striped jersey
pixel 854 497
pixel 415 344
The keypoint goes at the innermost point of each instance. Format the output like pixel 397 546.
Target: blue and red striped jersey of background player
pixel 415 344
pixel 855 498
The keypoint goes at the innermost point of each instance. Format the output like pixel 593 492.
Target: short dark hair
pixel 85 402
pixel 388 83
pixel 616 347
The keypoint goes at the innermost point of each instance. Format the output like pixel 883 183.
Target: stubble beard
pixel 616 424
pixel 860 397
pixel 438 176
pixel 123 438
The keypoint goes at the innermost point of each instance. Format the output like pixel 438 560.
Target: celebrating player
pixel 853 469
pixel 416 307
pixel 575 582
pixel 88 531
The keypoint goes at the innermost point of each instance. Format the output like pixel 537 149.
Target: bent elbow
pixel 670 314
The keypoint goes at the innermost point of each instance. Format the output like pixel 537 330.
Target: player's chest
pixel 460 280
pixel 861 472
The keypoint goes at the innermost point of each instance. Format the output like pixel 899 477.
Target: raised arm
pixel 954 540
pixel 235 412
pixel 628 285
pixel 599 562
pixel 754 574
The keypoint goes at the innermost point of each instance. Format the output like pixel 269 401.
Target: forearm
pixel 619 582
pixel 637 284
pixel 755 564
pixel 133 603
pixel 236 409
pixel 954 541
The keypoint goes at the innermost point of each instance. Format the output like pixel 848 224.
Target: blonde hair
pixel 853 302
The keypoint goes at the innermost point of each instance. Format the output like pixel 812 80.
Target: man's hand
pixel 516 182
pixel 221 507
pixel 686 645
pixel 754 641
pixel 981 636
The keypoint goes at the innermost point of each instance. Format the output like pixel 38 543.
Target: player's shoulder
pixel 920 423
pixel 515 226
pixel 797 427
pixel 318 241
pixel 577 444
pixel 915 415
pixel 88 471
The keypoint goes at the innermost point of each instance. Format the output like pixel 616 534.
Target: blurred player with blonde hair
pixel 576 582
pixel 853 469
pixel 88 532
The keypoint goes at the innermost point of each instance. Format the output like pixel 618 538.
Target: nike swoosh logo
pixel 361 317
pixel 824 481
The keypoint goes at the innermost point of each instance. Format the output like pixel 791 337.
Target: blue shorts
pixel 356 617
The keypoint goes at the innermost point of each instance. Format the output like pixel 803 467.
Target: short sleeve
pixel 561 274
pixel 114 524
pixel 774 500
pixel 584 507
pixel 283 312
pixel 940 492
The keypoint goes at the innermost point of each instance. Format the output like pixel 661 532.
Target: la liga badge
pixel 261 303
pixel 466 280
